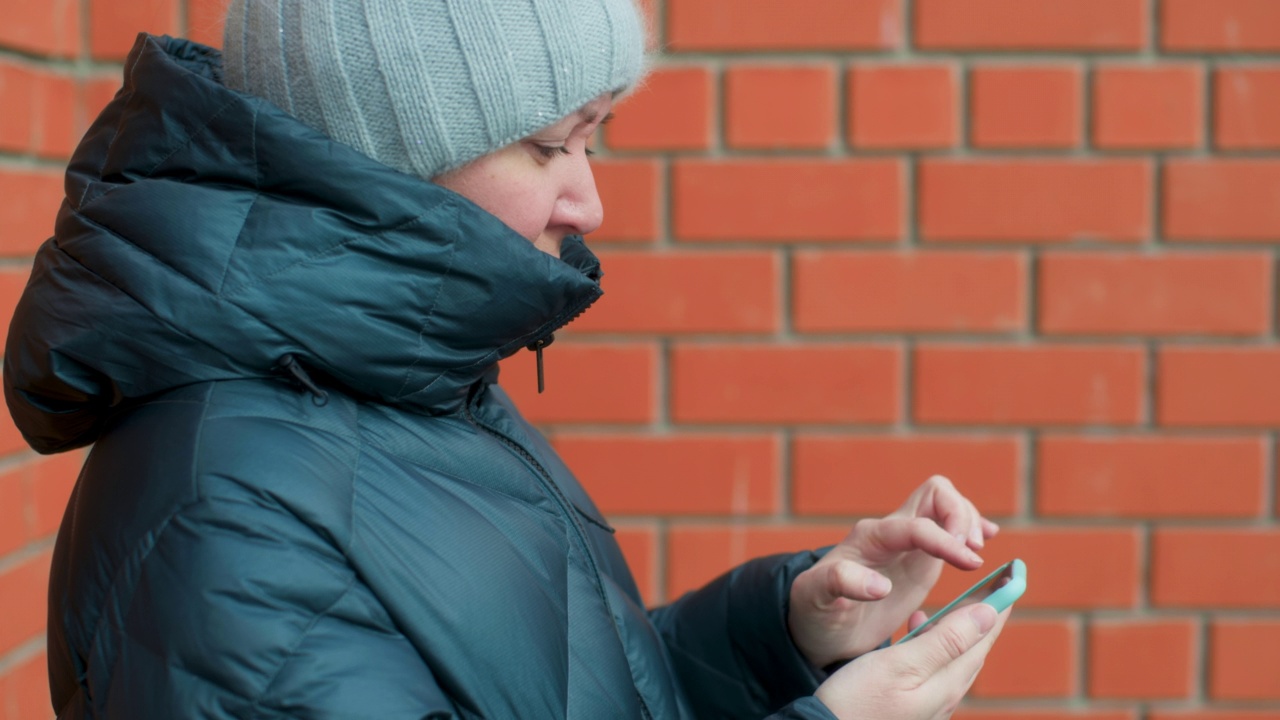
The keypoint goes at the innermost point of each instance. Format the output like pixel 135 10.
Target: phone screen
pixel 984 589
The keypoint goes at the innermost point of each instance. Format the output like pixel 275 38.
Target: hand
pixel 922 679
pixel 868 585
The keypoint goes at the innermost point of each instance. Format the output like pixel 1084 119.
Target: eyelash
pixel 551 152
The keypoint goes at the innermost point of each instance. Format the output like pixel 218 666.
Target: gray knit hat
pixel 427 85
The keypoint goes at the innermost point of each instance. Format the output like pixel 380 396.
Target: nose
pixel 578 208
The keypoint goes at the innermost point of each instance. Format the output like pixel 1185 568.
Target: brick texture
pixel 1032 106
pixel 1035 200
pixel 795 384
pixel 1246 107
pixel 915 292
pixel 787 200
pixel 1129 294
pixel 1045 385
pixel 1140 660
pixel 754 92
pixel 871 475
pixel 1145 107
pixel 1221 200
pixel 1031 245
pixel 1150 476
pixel 1242 660
pixel 1220 25
pixel 770 25
pixel 1084 25
pixel 1204 567
pixel 903 106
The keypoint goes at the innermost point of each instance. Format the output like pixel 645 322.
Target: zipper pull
pixel 536 347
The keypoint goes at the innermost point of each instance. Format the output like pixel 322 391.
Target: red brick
pixel 51 481
pixel 1035 200
pixel 1068 568
pixel 714 292
pixel 13 280
pixel 671 110
pixel 1032 658
pixel 1243 659
pixel 585 382
pixel 1246 107
pixel 114 26
pixel 10 439
pixel 1221 200
pixel 1142 660
pixel 1016 385
pixel 17 96
pixel 1103 293
pixel 204 21
pixel 13 511
pixel 918 291
pixel 802 200
pixel 629 191
pixel 1220 25
pixel 24 690
pixel 903 106
pixel 1149 477
pixel 45 28
pixel 1036 714
pixel 872 475
pixel 697 554
pixel 22 601
pixel 1148 107
pixel 1214 715
pixel 639 545
pixel 1218 387
pixel 786 384
pixel 1086 25
pixel 1215 568
pixel 1026 106
pixel 676 475
pixel 95 93
pixel 774 107
pixel 32 198
pixel 783 25
pixel 55 109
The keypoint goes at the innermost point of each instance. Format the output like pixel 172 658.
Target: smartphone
pixel 999 590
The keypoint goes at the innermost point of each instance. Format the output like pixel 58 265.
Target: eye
pixel 551 151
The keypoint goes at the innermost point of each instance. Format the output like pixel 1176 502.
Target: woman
pixel 275 300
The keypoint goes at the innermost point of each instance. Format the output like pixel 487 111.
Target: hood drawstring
pixel 537 348
pixel 289 365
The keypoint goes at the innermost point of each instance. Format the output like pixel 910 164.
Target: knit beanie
pixel 427 85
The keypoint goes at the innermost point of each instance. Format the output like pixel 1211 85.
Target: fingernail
pixel 973 556
pixel 984 617
pixel 879 585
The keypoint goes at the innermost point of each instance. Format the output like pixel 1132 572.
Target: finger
pixel 916 620
pixel 964 670
pixel 955 513
pixel 989 529
pixel 896 535
pixel 951 640
pixel 848 579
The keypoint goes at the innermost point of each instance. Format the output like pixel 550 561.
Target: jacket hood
pixel 206 234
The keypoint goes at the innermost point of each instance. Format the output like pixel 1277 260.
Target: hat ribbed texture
pixel 427 85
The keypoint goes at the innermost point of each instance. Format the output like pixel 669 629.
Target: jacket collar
pixel 207 234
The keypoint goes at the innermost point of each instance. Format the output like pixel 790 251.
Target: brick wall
pixel 1029 244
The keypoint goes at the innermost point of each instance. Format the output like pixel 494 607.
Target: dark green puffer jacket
pixel 307 497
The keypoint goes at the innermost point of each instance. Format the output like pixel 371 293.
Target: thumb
pixel 951 638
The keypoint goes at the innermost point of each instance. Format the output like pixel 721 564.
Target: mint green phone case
pixel 999 596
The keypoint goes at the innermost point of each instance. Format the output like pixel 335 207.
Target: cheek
pixel 522 202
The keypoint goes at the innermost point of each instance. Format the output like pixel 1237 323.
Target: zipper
pixel 570 511
pixel 549 336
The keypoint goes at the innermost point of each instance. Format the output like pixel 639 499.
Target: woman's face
pixel 541 186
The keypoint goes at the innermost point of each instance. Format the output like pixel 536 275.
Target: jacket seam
pixel 293 649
